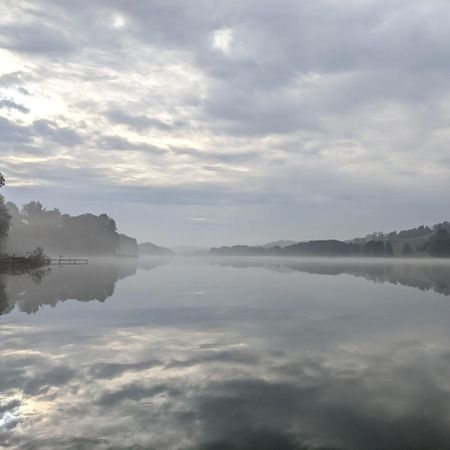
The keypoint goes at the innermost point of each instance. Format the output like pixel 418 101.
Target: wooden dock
pixel 68 261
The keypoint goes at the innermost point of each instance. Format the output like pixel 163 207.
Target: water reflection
pixel 211 358
pixel 221 396
pixel 96 281
pixel 421 274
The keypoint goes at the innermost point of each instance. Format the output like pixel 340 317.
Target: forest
pixel 410 243
pixel 23 229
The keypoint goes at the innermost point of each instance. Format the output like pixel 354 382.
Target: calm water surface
pixel 227 355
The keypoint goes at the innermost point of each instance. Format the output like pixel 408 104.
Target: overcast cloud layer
pixel 202 122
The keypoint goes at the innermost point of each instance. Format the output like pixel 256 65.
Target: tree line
pixel 23 229
pixel 422 231
pixel 438 245
pixel 5 217
pixel 330 247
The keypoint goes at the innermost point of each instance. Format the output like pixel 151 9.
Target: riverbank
pixel 23 263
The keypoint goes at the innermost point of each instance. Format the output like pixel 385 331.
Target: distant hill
pixel 147 248
pixel 330 247
pixel 410 242
pixel 191 251
pixel 281 244
pixel 416 242
pixel 127 246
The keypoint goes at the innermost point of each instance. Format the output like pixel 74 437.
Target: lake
pixel 231 354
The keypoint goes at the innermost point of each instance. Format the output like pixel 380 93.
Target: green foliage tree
pixel 439 244
pixel 374 248
pixel 5 218
pixel 57 233
pixel 388 249
pixel 407 250
pixel 33 212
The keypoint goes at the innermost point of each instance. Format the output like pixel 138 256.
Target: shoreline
pixel 20 264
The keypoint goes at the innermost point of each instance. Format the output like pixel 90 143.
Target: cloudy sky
pixel 215 122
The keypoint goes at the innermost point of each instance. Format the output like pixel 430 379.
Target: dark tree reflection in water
pixel 193 355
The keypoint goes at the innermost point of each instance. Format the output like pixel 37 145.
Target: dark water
pixel 227 355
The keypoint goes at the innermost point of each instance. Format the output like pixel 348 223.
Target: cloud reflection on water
pixel 223 398
pixel 243 376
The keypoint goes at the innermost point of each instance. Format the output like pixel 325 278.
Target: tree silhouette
pixel 388 250
pixel 439 244
pixel 374 248
pixel 57 233
pixel 5 217
pixel 407 250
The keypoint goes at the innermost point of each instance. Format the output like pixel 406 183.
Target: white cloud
pixel 118 21
pixel 223 40
pixel 250 98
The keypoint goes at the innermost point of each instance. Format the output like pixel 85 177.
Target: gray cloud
pixel 328 104
pixel 16 134
pixel 112 370
pixel 135 392
pixel 223 357
pixel 57 376
pixel 218 156
pixel 11 132
pixel 12 79
pixel 119 143
pixel 208 194
pixel 136 122
pixel 61 135
pixel 36 38
pixel 9 104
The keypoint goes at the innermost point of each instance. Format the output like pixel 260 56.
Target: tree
pixel 108 222
pixel 407 250
pixel 5 218
pixel 388 250
pixel 13 209
pixel 374 248
pixel 439 244
pixel 33 211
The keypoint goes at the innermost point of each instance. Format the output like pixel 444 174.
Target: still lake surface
pixel 227 354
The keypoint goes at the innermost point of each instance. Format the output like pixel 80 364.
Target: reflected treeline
pixel 424 275
pixel 150 263
pixel 95 281
pixel 4 305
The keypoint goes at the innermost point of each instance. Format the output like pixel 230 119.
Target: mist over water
pixel 226 354
pixel 224 225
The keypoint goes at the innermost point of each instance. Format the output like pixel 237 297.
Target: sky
pixel 204 123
